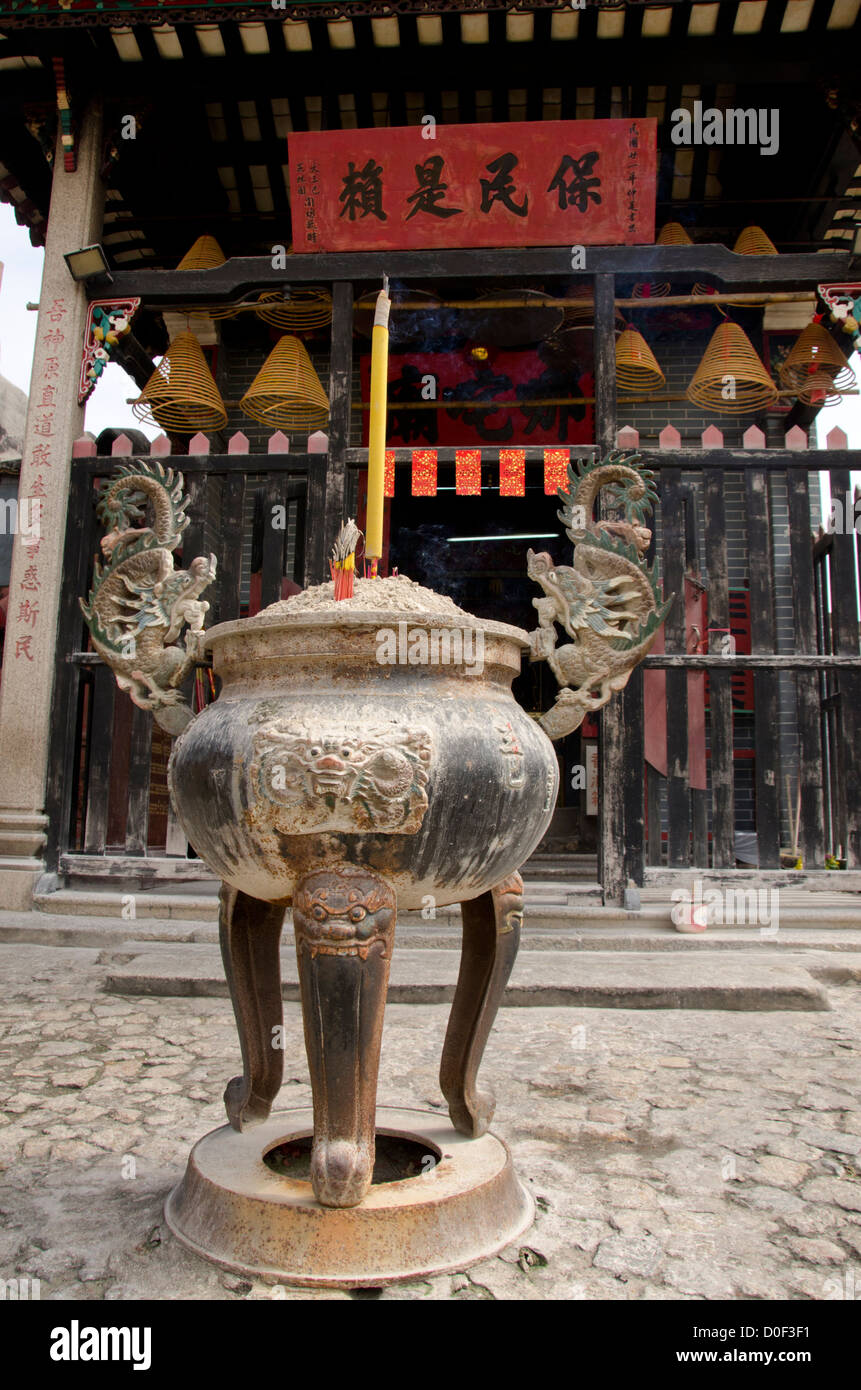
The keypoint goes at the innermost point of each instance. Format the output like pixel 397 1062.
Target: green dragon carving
pixel 608 600
pixel 139 603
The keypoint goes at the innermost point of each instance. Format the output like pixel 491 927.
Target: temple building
pixel 610 227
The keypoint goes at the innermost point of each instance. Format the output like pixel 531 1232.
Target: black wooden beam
pixel 241 274
pixel 762 639
pixel 62 785
pixel 844 617
pixel 340 399
pixel 811 833
pixel 230 559
pixel 760 661
pixel 673 567
pixel 720 680
pixel 605 363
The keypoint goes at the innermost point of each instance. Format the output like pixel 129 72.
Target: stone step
pixel 546 910
pixel 725 980
pixel 595 932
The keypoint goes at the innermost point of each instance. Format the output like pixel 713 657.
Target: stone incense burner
pixel 351 765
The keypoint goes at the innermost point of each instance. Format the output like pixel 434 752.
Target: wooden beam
pixel 605 363
pixel 720 683
pixel 340 398
pixel 673 567
pixel 762 639
pixel 762 661
pixel 62 781
pixel 242 274
pixel 844 590
pixel 807 715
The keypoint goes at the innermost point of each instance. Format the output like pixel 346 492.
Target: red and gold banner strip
pixel 556 470
pixel 424 472
pixel 389 474
pixel 512 472
pixel 467 472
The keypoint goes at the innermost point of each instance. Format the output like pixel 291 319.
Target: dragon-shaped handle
pixel 139 604
pixel 608 600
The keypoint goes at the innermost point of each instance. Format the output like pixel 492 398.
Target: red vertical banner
pixel 556 470
pixel 424 472
pixel 512 472
pixel 389 474
pixel 467 472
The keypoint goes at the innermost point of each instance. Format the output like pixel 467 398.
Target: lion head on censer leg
pixel 343 911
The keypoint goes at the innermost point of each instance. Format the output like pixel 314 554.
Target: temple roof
pixel 216 91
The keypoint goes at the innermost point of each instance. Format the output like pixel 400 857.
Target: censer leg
pixel 491 936
pixel 250 931
pixel 345 926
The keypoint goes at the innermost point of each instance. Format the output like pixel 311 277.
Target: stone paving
pixel 672 1154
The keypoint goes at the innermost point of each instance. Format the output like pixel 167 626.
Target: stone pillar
pixel 54 421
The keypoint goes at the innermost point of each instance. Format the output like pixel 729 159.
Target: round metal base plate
pixel 233 1209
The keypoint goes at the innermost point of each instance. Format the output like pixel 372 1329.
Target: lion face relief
pixel 325 779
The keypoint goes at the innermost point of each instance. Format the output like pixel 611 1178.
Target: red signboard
pixel 542 183
pixel 472 392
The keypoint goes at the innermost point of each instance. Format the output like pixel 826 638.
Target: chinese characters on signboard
pixel 548 183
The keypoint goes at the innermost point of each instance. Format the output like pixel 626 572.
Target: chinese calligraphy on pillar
pixel 23 612
pixel 543 183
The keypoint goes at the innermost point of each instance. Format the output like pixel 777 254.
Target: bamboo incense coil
pixel 816 364
pixel 287 392
pixel 303 308
pixel 651 290
pixel 731 378
pixel 181 395
pixel 753 241
pixel 636 366
pixel 205 254
pixel 673 234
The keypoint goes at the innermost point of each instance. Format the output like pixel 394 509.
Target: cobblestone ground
pixel 672 1155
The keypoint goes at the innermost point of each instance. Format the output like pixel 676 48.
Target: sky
pixel 107 406
pixel 22 276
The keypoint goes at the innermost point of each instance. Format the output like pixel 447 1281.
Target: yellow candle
pixel 377 429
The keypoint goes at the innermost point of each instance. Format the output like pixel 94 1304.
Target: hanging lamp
pixel 181 395
pixel 731 378
pixel 287 392
pixel 815 368
pixel 636 366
